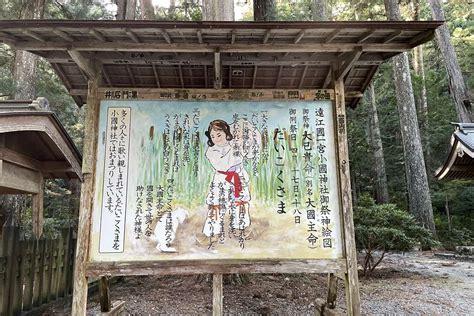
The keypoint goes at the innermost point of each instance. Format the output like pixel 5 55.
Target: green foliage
pixel 456 236
pixel 6 79
pixel 382 228
pixel 458 197
pixel 183 11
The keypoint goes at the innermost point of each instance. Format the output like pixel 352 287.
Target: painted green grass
pixel 191 189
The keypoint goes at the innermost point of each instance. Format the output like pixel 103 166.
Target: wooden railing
pixel 34 272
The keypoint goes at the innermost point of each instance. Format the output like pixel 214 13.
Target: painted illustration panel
pixel 181 180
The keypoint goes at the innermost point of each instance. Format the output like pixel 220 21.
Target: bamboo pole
pixel 87 193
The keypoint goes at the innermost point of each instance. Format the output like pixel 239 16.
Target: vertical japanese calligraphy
pixel 115 179
pixel 204 179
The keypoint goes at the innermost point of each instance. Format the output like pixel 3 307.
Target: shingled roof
pixel 460 162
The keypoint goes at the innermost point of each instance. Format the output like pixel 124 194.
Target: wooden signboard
pixel 219 181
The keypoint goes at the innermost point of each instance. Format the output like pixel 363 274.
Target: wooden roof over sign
pixel 251 55
pixel 32 137
pixel 460 162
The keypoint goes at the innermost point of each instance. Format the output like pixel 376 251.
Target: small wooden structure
pixel 460 161
pixel 34 146
pixel 148 59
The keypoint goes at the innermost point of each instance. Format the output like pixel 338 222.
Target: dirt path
pixel 415 283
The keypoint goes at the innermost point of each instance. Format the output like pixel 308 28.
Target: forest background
pixel 452 201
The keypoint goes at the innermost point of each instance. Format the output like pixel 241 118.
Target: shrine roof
pixel 252 55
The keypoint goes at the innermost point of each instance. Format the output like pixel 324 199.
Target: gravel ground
pixel 414 283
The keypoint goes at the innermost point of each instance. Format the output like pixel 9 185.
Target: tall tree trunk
pixel 264 10
pixel 218 10
pixel 131 10
pixel 417 181
pixel 457 86
pixel 121 9
pixel 148 11
pixel 381 187
pixel 319 10
pixel 419 67
pixel 25 63
pixel 126 9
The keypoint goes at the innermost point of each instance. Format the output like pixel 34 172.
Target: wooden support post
pixel 88 169
pixel 104 294
pixel 217 295
pixel 352 279
pixel 332 291
pixel 37 209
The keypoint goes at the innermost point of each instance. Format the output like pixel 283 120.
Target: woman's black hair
pixel 218 125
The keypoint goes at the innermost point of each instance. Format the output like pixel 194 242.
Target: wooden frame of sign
pixel 345 269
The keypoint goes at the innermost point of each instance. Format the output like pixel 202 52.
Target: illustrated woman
pixel 229 188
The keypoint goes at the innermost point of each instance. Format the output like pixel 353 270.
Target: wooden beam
pixel 132 36
pixel 351 280
pixel 328 78
pixel 217 295
pixel 392 36
pixel 79 92
pixel 104 294
pixel 230 77
pixel 217 70
pixel 165 59
pixel 87 193
pixel 4 36
pixel 165 35
pixel 299 37
pixel 366 36
pixel 130 75
pixel 232 36
pixel 55 166
pixel 180 71
pixel 332 291
pixel 349 76
pixel 354 94
pixel 178 267
pixel 107 78
pixel 206 77
pixel 97 35
pixel 62 75
pixel 210 48
pixel 422 37
pixel 19 179
pixel 37 210
pixel 266 36
pixel 332 36
pixel 348 63
pixel 34 35
pixel 157 78
pixel 302 77
pixel 19 159
pixel 85 64
pixel 63 35
pixel 280 70
pixel 254 77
